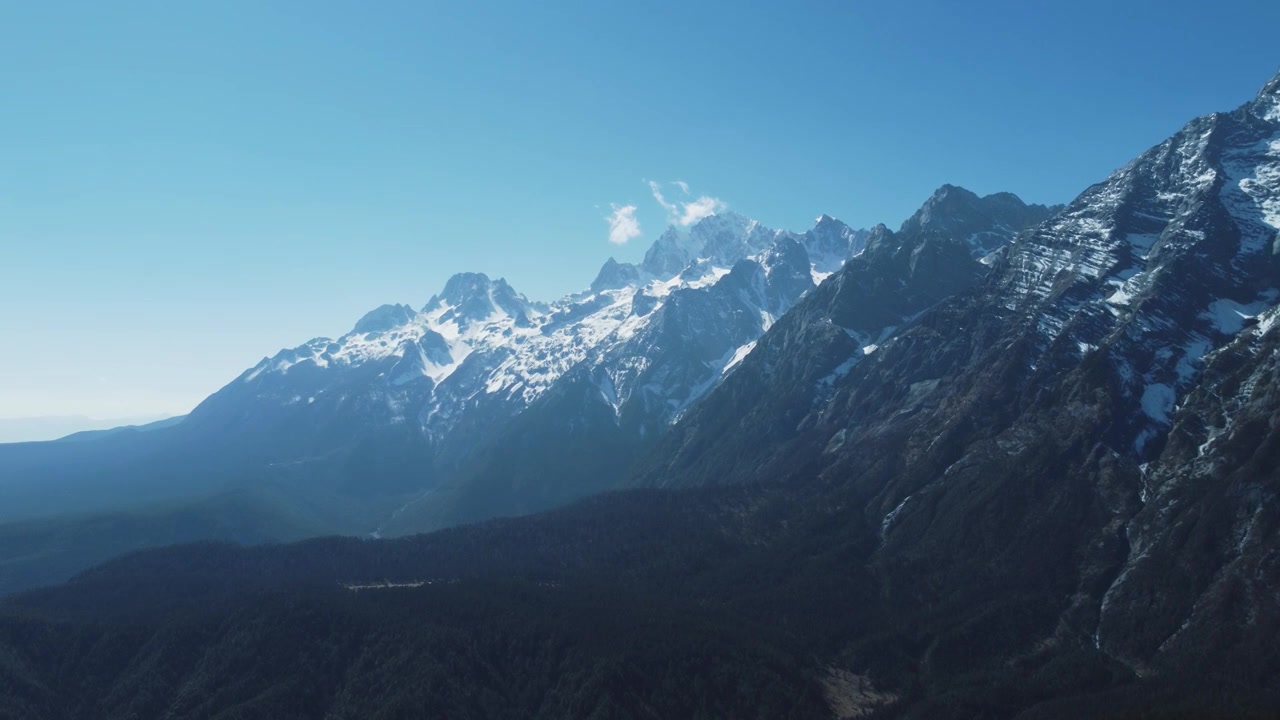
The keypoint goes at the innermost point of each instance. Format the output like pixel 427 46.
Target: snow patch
pixel 610 394
pixel 887 523
pixel 1157 402
pixel 1120 297
pixel 1141 243
pixel 1271 111
pixel 1193 352
pixel 1229 316
pixel 1252 193
pixel 1267 320
pixel 739 355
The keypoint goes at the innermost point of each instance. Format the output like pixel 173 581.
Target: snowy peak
pixel 772 281
pixel 788 271
pixel 615 275
pixel 472 297
pixel 830 243
pixel 728 237
pixel 724 239
pixel 427 356
pixel 386 317
pixel 721 240
pixel 670 253
pixel 462 288
pixel 787 255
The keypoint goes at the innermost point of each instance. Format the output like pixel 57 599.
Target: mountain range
pixel 484 403
pixel 1007 460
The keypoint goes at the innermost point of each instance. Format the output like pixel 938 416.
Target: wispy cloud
pixel 623 225
pixel 656 189
pixel 686 212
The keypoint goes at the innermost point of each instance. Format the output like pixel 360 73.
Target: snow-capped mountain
pixel 491 386
pixel 799 363
pixel 484 402
pixel 440 384
pixel 830 243
pixel 480 339
pixel 608 411
pixel 1093 425
pixel 680 339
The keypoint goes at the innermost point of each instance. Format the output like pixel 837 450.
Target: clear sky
pixel 187 187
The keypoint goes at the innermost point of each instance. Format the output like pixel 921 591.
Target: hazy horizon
pixel 54 427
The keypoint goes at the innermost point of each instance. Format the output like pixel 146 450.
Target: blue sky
pixel 187 187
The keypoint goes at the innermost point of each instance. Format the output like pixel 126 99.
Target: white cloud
pixel 623 225
pixel 686 213
pixel 700 208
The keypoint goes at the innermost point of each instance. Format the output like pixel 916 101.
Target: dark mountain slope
pixel 621 607
pixel 736 602
pixel 1089 430
pixel 48 551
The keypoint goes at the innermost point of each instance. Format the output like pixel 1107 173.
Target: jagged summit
pixel 827 226
pixel 982 223
pixel 830 243
pixel 615 275
pixel 384 318
pixel 789 274
pixel 465 286
pixel 879 239
pixel 473 297
pixel 949 207
pixel 670 253
pixel 727 237
pixel 723 239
